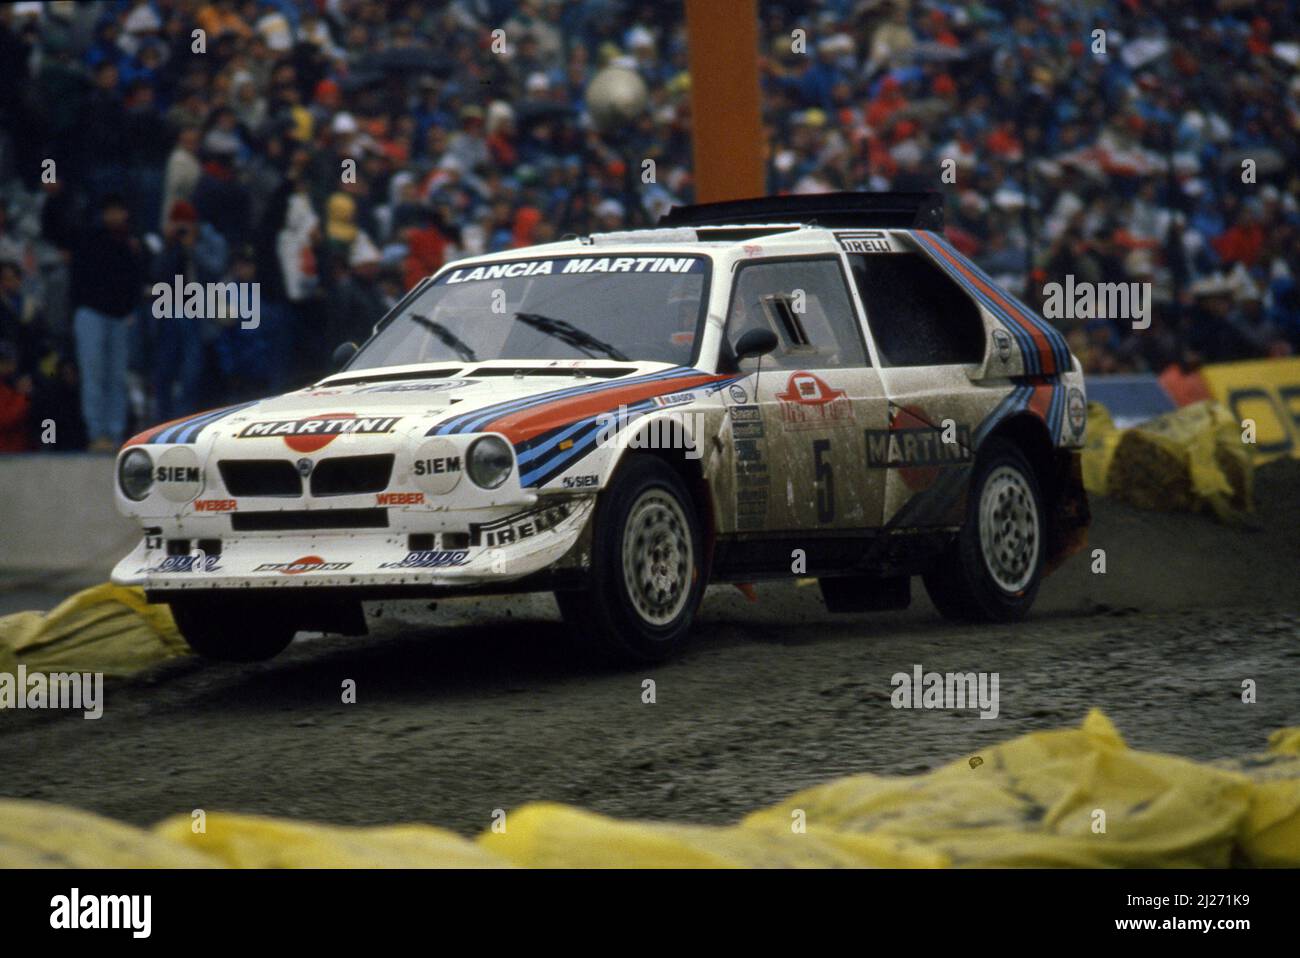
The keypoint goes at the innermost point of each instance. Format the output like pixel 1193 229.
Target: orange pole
pixel 726 123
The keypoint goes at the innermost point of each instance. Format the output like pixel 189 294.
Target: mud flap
pixel 864 593
pixel 1068 513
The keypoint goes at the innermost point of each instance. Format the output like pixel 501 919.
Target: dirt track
pixel 482 705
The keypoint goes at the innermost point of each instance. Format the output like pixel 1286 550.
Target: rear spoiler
pixel 920 211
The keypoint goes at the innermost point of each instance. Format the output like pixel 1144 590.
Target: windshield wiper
pixel 571 335
pixel 447 338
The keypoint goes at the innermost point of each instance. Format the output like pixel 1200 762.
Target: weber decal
pixel 517 527
pixel 215 505
pixel 399 499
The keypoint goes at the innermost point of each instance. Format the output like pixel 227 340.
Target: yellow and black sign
pixel 1266 391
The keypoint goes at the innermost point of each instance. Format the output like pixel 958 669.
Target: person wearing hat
pixel 219 197
pixel 196 253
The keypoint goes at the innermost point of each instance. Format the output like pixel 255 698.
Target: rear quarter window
pixel 918 316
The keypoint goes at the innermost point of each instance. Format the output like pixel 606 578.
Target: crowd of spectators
pixel 337 151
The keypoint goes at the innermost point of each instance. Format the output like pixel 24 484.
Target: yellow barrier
pixel 107 628
pixel 1266 391
pixel 1186 460
pixel 1075 798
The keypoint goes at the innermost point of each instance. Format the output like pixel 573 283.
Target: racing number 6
pixel 823 481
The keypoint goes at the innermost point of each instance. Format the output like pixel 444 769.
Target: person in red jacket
pixel 15 401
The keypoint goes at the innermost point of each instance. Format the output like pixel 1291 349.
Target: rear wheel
pixel 992 571
pixel 232 631
pixel 646 576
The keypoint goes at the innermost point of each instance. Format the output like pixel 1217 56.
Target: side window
pixel 806 303
pixel 918 316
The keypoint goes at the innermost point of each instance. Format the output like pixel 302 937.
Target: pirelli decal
pixel 866 241
pixel 924 446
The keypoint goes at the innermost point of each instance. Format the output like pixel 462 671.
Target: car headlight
pixel 135 474
pixel 489 461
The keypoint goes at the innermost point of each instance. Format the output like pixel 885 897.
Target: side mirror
pixel 756 342
pixel 343 354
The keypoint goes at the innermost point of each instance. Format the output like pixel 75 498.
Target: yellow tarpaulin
pixel 252 841
pixel 1076 797
pixel 107 628
pixel 1190 459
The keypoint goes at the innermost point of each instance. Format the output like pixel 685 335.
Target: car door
pixel 798 418
pixel 927 336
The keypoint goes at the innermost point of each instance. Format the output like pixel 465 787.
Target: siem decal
pixel 580 482
pixel 305 564
pixel 809 402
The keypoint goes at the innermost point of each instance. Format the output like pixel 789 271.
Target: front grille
pixel 260 477
pixel 348 475
pixel 295 520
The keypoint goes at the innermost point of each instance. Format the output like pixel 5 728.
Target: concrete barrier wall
pixel 57 514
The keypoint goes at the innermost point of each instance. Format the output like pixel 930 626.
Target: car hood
pixel 519 400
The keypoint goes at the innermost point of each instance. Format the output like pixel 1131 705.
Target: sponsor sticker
pixel 304 564
pixel 1002 343
pixel 317 432
pixel 437 385
pixel 808 402
pixel 517 527
pixel 215 505
pixel 437 466
pixel 185 563
pixel 1077 411
pixel 865 241
pixel 429 559
pixel 399 499
pixel 578 265
pixel 921 446
pixel 178 475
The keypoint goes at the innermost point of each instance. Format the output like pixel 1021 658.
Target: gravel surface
pixel 482 704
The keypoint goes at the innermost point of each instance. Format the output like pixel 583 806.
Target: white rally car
pixel 793 387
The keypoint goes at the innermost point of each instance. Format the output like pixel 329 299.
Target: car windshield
pixel 612 307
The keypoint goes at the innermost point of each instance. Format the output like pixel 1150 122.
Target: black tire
pixel 649 621
pixel 963 584
pixel 232 630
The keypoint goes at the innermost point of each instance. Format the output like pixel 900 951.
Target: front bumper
pixel 511 548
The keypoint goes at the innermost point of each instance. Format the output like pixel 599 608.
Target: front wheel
pixel 232 631
pixel 646 571
pixel 992 571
